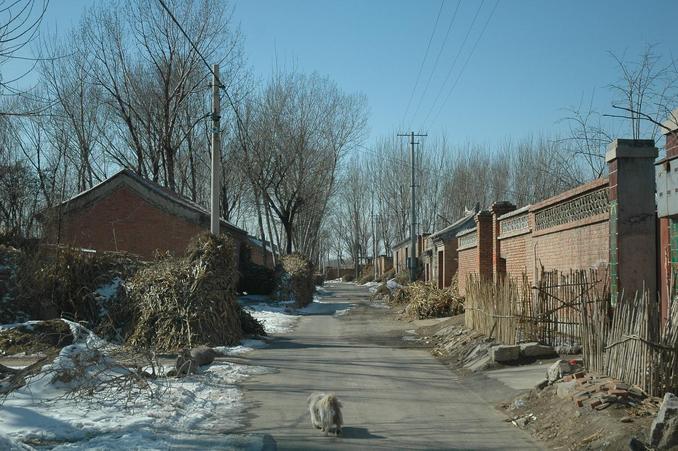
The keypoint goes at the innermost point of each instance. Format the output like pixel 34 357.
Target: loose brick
pixel 620 393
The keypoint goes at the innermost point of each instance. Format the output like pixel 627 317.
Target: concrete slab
pixel 523 377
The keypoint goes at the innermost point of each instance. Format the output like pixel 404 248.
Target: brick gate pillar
pixel 484 248
pixel 633 252
pixel 498 263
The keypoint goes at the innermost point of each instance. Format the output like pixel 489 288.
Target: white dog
pixel 325 412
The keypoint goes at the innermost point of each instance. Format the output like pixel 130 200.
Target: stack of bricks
pixel 600 393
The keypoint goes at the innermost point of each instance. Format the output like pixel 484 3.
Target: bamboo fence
pixel 625 342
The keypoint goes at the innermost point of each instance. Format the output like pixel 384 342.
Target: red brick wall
pixel 123 221
pixel 514 251
pixel 257 256
pixel 578 244
pixel 451 260
pixel 468 264
pixel 580 247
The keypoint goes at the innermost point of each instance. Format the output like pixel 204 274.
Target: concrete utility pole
pixel 413 230
pixel 216 151
pixel 374 239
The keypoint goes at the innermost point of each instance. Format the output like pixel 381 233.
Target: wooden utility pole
pixel 413 209
pixel 216 151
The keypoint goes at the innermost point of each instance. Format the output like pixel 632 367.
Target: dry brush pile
pixel 295 279
pixel 423 301
pixel 184 302
pixel 50 282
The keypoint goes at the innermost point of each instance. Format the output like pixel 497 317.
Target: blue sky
pixel 535 59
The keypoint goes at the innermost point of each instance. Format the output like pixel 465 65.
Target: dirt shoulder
pixel 587 417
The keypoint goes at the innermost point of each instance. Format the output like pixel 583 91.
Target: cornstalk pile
pixel 186 302
pixel 295 279
pixel 426 301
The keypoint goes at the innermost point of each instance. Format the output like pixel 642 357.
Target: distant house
pixel 261 253
pixel 440 254
pixel 402 253
pixel 384 264
pixel 128 213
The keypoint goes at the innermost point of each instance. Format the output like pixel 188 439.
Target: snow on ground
pixel 28 325
pixel 105 293
pixel 391 284
pixel 196 409
pixel 199 410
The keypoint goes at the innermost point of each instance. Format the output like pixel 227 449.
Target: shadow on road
pixel 359 433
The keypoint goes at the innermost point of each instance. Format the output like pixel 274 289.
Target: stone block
pixel 535 349
pixel 664 429
pixel 504 353
pixel 565 390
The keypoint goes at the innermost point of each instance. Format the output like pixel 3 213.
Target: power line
pixel 489 18
pixel 435 64
pixel 421 66
pixel 454 62
pixel 209 68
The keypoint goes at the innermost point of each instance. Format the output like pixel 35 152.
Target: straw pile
pixel 185 302
pixel 55 282
pixel 295 279
pixel 426 301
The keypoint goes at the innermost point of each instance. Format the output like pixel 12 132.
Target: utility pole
pixel 413 208
pixel 216 151
pixel 374 238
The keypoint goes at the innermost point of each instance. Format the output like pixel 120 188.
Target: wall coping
pixel 513 213
pixel 574 192
pixel 466 248
pixel 466 232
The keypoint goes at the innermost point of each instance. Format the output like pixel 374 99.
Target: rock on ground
pixel 664 429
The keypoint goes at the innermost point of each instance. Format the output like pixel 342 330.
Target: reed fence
pixel 626 342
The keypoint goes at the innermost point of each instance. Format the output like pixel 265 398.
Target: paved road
pixel 395 396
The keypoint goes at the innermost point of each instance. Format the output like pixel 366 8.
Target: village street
pixel 395 396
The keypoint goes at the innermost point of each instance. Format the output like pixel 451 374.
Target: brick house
pixel 667 210
pixel 128 213
pixel 401 253
pixel 260 252
pixel 440 254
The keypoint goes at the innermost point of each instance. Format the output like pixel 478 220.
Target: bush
pixel 295 279
pixel 348 277
pixel 256 279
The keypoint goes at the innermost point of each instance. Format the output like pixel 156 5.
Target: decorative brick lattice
pixel 468 240
pixel 515 224
pixel 590 204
